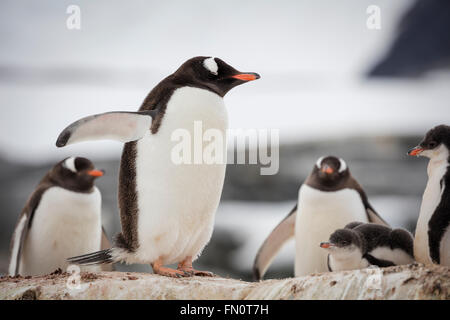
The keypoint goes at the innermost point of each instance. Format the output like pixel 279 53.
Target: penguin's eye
pixel 82 164
pixel 432 144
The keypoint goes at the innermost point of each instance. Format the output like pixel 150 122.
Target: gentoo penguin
pixel 62 218
pixel 167 209
pixel 360 245
pixel 432 237
pixel 329 199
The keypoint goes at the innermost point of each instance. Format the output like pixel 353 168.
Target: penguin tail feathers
pixel 99 257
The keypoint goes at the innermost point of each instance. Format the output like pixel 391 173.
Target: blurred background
pixel 330 84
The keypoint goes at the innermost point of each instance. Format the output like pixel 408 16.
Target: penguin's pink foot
pixel 167 272
pixel 186 266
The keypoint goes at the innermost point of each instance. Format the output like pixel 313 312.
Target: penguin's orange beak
pixel 327 169
pixel 415 151
pixel 246 76
pixel 96 173
pixel 326 245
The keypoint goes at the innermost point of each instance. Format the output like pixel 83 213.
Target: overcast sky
pixel 311 55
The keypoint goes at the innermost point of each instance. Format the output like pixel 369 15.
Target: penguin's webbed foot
pixel 159 269
pixel 199 273
pixel 186 266
pixel 167 272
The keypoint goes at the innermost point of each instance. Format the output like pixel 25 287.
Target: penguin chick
pixel 360 245
pixel 432 236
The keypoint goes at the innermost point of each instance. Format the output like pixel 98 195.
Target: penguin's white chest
pixel 65 224
pixel 348 260
pixel 430 200
pixel 319 215
pixel 396 256
pixel 177 201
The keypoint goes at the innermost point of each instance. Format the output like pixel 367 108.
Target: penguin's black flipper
pixel 17 243
pixel 23 226
pixel 402 239
pixel 274 242
pixel 99 257
pixel 105 243
pixel 378 262
pixel 121 126
pixel 328 263
pixel 374 217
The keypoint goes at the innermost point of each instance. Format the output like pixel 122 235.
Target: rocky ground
pixel 401 282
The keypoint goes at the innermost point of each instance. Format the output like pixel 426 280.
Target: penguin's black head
pixel 75 174
pixel 435 144
pixel 330 171
pixel 213 74
pixel 343 239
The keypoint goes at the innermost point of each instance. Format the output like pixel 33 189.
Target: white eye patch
pixel 343 166
pixel 211 65
pixel 319 162
pixel 70 164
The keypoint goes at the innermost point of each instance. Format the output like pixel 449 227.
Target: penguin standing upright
pixel 360 245
pixel 167 209
pixel 329 199
pixel 432 237
pixel 61 218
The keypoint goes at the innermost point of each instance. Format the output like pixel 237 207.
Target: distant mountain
pixel 421 42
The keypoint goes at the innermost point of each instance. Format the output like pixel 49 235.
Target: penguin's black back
pixel 440 220
pixel 376 235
